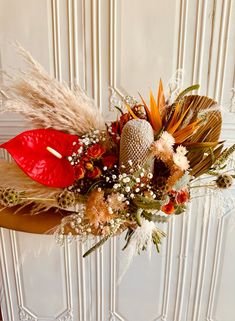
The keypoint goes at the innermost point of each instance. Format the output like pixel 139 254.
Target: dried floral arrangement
pixel 108 178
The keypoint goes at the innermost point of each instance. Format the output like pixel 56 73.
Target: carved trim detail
pixel 68 316
pixel 24 315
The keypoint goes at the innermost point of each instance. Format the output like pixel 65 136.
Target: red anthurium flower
pixel 42 155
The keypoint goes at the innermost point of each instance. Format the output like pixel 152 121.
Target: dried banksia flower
pixel 224 181
pixel 136 140
pixel 65 199
pixel 10 197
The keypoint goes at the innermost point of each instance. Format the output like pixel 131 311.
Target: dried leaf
pixel 186 91
pixel 206 163
pixel 147 110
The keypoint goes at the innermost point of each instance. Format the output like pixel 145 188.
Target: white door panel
pixel 129 45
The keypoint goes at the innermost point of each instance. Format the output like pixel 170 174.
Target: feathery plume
pixel 47 103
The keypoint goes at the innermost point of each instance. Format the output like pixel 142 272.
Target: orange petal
pixel 147 110
pixel 184 133
pixel 160 97
pixel 174 117
pixel 157 121
pixel 131 112
pixel 178 123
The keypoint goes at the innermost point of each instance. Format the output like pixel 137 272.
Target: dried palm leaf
pixel 18 219
pixel 206 163
pixel 208 129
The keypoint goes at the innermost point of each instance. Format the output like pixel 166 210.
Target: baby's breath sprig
pixel 134 182
pixel 114 226
pixel 73 225
pixel 91 138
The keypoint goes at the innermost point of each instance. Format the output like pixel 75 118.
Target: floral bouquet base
pixel 76 174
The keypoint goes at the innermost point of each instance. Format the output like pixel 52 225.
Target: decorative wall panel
pixel 127 45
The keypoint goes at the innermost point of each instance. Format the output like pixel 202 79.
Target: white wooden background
pixel 127 44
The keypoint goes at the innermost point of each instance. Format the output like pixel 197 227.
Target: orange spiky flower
pixel 193 122
pixel 181 119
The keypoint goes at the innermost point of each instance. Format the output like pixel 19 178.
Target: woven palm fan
pixel 194 121
pixel 207 134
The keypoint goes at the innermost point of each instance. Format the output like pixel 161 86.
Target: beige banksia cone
pixel 136 139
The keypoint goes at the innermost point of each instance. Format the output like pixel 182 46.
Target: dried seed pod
pixel 224 181
pixel 139 111
pixel 66 199
pixel 136 140
pixel 161 183
pixel 10 197
pixel 160 186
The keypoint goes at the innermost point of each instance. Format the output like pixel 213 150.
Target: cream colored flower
pixel 181 150
pixel 181 161
pixel 164 145
pixel 168 139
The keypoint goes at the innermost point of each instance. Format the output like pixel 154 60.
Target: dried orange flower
pixel 97 209
pixel 168 208
pixel 175 174
pixel 116 202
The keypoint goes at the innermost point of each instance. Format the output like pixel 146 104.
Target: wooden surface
pixel 23 221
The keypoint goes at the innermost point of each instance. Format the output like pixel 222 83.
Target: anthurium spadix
pixel 42 155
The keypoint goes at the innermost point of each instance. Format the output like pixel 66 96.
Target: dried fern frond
pixel 47 103
pixel 42 196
